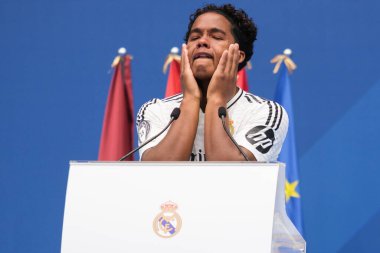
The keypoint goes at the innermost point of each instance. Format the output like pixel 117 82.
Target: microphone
pixel 222 113
pixel 173 116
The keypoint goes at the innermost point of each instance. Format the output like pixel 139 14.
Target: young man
pixel 219 42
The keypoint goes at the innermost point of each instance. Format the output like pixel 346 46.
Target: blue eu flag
pixel 288 153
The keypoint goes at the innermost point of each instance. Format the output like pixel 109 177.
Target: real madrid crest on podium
pixel 167 223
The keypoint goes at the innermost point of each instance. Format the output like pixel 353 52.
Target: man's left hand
pixel 222 86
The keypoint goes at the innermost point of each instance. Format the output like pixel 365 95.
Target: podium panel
pixel 171 207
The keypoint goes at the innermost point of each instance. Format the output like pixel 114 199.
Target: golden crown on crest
pixel 169 206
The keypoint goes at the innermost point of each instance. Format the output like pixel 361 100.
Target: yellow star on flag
pixel 290 190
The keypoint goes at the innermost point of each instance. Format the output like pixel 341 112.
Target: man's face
pixel 210 35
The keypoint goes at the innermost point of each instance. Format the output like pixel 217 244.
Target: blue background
pixel 55 72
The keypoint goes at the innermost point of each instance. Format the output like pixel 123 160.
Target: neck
pixel 203 85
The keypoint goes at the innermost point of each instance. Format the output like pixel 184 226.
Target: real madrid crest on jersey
pixel 231 126
pixel 167 223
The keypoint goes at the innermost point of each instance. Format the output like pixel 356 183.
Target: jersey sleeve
pixel 149 122
pixel 263 131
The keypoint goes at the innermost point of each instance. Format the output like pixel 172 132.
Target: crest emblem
pixel 167 223
pixel 143 130
pixel 231 126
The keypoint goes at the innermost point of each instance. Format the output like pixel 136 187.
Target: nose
pixel 203 42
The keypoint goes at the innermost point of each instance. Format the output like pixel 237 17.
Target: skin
pixel 209 66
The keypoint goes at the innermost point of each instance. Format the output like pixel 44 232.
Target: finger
pixel 184 58
pixel 223 61
pixel 230 58
pixel 235 64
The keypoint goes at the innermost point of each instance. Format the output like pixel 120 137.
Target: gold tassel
pixel 171 57
pixel 278 59
pixel 115 61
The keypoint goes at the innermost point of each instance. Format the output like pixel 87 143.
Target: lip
pixel 202 55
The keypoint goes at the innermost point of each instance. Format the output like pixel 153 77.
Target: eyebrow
pixel 212 30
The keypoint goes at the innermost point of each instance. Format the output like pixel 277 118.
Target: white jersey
pixel 256 124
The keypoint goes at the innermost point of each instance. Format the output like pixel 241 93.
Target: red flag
pixel 117 133
pixel 242 80
pixel 173 85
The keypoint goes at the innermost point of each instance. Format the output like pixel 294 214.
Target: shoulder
pixel 247 101
pixel 177 98
pixel 274 113
pixel 256 110
pixel 158 106
pixel 253 99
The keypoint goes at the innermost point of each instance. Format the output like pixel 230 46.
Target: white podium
pixel 177 207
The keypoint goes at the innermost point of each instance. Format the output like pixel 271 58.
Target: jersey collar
pixel 235 98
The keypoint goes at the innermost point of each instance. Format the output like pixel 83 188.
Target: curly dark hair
pixel 243 28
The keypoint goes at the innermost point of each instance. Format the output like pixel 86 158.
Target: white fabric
pixel 257 124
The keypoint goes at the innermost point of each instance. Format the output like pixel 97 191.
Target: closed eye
pixel 192 38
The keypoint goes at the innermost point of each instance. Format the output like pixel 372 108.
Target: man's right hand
pixel 190 87
pixel 178 142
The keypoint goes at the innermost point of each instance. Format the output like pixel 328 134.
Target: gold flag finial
pixel 289 63
pixel 172 56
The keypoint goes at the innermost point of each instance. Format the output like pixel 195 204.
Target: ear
pixel 241 56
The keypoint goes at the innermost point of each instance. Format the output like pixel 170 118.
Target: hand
pixel 189 84
pixel 222 86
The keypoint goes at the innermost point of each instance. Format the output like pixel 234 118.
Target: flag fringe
pixel 279 59
pixel 171 57
pixel 117 59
